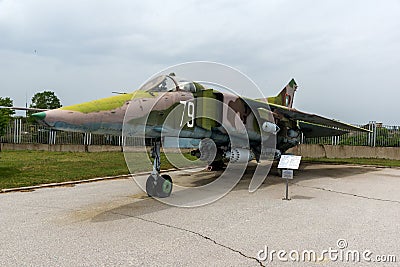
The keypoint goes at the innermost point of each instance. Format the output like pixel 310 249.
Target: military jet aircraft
pixel 205 114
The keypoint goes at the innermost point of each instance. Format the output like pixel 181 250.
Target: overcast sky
pixel 344 55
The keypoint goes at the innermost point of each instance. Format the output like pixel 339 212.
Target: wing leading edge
pixel 22 108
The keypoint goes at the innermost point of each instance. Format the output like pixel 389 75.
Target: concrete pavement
pixel 114 223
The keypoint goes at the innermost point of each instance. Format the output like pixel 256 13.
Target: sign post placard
pixel 288 163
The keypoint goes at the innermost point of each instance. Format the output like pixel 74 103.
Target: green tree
pixel 5 114
pixel 46 100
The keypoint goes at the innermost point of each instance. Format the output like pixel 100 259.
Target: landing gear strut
pixel 158 185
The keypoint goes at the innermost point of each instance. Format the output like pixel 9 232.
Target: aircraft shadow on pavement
pixel 131 210
pixel 307 171
pixel 310 171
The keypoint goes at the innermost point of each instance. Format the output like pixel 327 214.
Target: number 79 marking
pixel 190 112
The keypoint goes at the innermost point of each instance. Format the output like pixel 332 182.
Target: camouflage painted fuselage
pixel 189 110
pixel 161 112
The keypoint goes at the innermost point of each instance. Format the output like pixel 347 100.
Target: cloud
pixel 343 54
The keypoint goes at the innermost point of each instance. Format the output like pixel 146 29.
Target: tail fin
pixel 286 96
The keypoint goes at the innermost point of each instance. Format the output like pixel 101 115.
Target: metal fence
pixel 380 135
pixel 19 131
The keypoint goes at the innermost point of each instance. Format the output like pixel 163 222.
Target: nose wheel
pixel 151 186
pixel 158 185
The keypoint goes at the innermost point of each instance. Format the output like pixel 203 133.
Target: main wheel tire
pixel 164 186
pixel 150 186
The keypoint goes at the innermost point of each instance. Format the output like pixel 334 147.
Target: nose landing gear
pixel 158 185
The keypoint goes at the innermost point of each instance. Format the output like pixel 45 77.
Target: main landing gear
pixel 158 185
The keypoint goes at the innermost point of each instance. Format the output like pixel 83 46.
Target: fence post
pixel 375 133
pixel 52 137
pixel 14 132
pixel 335 140
pixel 372 135
pixel 87 139
pixel 20 131
pixel 17 131
pixel 121 140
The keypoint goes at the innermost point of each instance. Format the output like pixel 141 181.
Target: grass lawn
pixel 360 161
pixel 26 168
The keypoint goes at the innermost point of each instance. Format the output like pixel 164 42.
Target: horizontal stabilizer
pixel 294 114
pixel 315 130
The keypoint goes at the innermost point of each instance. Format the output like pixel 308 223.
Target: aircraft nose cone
pixel 39 115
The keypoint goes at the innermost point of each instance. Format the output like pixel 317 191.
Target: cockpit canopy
pixel 168 83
